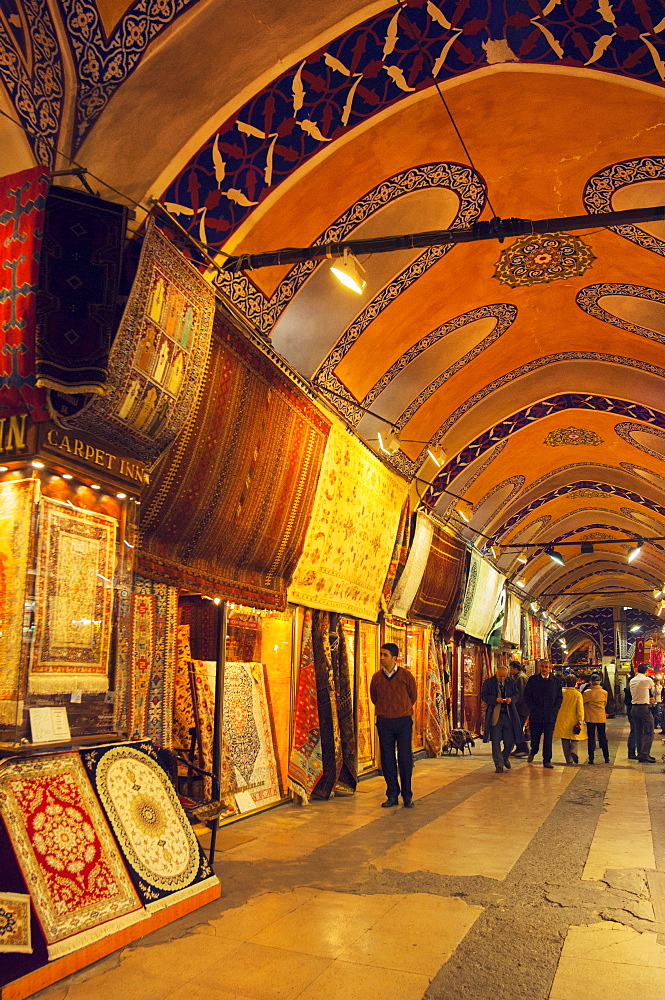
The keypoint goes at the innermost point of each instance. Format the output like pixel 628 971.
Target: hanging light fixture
pixel 437 454
pixel 522 559
pixel 656 593
pixel 635 628
pixel 349 271
pixel 555 556
pixel 389 441
pixel 634 552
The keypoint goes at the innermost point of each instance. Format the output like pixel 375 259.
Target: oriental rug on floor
pixel 352 533
pixel 152 661
pixel 249 767
pixel 157 841
pixel 17 509
pixel 159 354
pixel 305 762
pixel 72 868
pixel 74 600
pixel 15 923
pixel 438 594
pixel 238 531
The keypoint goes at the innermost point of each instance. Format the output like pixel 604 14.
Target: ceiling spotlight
pixel 635 628
pixel 555 556
pixel 534 605
pixel 66 475
pixel 389 441
pixel 522 559
pixel 634 552
pixel 95 486
pixel 121 496
pixel 586 548
pixel 656 592
pixel 3 468
pixel 437 454
pixel 349 271
pixel 520 583
pixel 37 464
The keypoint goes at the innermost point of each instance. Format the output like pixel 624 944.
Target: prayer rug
pixel 77 880
pixel 79 274
pixel 305 762
pixel 22 204
pixel 348 776
pixel 158 358
pixel 237 531
pixel 249 767
pixel 331 744
pixel 17 507
pixel 157 841
pixel 407 588
pixel 512 623
pixel 352 533
pixel 482 591
pixel 438 594
pixel 74 600
pixel 399 556
pixel 152 662
pixel 15 923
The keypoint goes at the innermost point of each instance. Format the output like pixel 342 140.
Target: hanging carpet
pixel 399 556
pixel 436 717
pixel 228 507
pixel 159 354
pixel 305 761
pixel 438 594
pixel 512 622
pixel 22 204
pixel 331 743
pixel 152 661
pixel 17 507
pixel 79 275
pixel 249 766
pixel 348 775
pixel 202 617
pixel 157 841
pixel 352 533
pixel 74 600
pixel 416 563
pixel 76 878
pixel 482 591
pixel 15 923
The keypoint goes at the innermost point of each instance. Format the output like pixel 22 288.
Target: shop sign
pixel 63 443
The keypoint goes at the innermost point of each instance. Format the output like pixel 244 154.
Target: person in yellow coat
pixel 569 725
pixel 595 700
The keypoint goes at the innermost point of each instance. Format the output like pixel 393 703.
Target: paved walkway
pixel 546 885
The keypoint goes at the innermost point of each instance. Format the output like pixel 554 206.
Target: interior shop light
pixel 3 468
pixel 66 475
pixel 36 464
pixel 95 486
pixel 534 605
pixel 437 454
pixel 520 583
pixel 121 496
pixel 522 559
pixel 389 441
pixel 555 556
pixel 656 593
pixel 635 550
pixel 635 628
pixel 349 271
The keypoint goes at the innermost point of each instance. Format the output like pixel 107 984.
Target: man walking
pixel 543 695
pixel 502 724
pixel 393 692
pixel 641 716
pixel 519 676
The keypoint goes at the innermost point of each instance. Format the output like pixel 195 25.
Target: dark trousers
pixel 395 734
pixel 544 728
pixel 502 732
pixel 632 746
pixel 522 744
pixel 597 727
pixel 643 718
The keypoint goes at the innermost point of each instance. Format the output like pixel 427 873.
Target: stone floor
pixel 531 884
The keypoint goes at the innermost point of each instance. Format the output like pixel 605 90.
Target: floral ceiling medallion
pixel 572 435
pixel 532 260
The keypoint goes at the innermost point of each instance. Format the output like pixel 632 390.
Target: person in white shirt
pixel 642 695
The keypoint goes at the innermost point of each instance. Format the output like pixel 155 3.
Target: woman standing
pixel 595 700
pixel 569 726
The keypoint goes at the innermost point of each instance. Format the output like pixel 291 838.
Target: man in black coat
pixel 543 694
pixel 502 724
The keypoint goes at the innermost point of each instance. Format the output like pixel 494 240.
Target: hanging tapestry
pixel 183 708
pixel 74 600
pixel 482 591
pixel 436 717
pixel 237 531
pixel 22 204
pixel 365 720
pixel 203 674
pixel 512 623
pixel 348 776
pixel 202 617
pixel 122 658
pixel 331 743
pixel 71 865
pixel 407 588
pixel 17 505
pixel 157 841
pixel 399 556
pixel 15 923
pixel 305 762
pixel 79 274
pixel 438 594
pixel 152 662
pixel 159 354
pixel 351 535
pixel 249 767
pixel 495 631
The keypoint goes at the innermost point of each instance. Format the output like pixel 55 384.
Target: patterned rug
pixel 152 662
pixel 399 556
pixel 123 619
pixel 249 767
pixel 238 532
pixel 15 923
pixel 157 841
pixel 365 727
pixel 409 582
pixel 348 776
pixel 77 880
pixel 352 533
pixel 158 356
pixel 22 204
pixel 331 743
pixel 437 722
pixel 79 275
pixel 74 595
pixel 482 590
pixel 438 594
pixel 17 506
pixel 183 706
pixel 202 617
pixel 305 763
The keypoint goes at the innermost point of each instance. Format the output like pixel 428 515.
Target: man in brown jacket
pixel 393 691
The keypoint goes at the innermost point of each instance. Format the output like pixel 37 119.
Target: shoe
pixel 546 763
pixel 499 770
pixel 389 803
pixel 632 756
pixel 408 803
pixel 647 760
pixel 590 761
pixel 574 757
pixel 506 764
pixel 607 760
pixel 529 759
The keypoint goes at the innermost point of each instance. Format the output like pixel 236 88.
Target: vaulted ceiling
pixel 538 368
